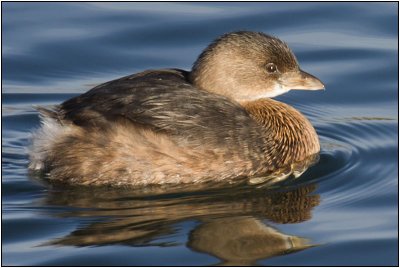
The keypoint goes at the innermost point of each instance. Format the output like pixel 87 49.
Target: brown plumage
pixel 214 123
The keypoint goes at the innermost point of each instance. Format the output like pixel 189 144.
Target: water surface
pixel 342 211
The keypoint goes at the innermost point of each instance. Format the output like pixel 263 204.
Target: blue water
pixel 343 211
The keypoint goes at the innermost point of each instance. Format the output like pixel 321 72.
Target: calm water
pixel 343 211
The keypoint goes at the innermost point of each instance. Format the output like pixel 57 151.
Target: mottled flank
pixel 158 127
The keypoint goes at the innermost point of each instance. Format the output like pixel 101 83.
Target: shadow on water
pixel 231 221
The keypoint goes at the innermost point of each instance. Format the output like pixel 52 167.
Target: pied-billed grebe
pixel 216 122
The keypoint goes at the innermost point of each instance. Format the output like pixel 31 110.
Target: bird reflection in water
pixel 242 240
pixel 232 220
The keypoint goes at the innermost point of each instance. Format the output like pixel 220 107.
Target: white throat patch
pixel 276 91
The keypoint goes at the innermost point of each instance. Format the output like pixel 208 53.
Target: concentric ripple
pixel 356 153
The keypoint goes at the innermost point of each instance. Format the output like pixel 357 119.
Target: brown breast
pixel 295 139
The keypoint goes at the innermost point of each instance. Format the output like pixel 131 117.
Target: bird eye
pixel 271 68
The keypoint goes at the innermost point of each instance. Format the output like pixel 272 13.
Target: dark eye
pixel 271 68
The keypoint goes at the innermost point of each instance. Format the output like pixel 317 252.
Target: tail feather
pixel 44 137
pixel 52 112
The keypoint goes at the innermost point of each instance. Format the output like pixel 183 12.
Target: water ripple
pixel 347 203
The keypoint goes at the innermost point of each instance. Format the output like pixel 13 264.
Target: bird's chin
pixel 276 90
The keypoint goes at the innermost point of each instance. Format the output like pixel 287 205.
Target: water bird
pixel 215 123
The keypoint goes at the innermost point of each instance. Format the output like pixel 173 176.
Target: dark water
pixel 343 211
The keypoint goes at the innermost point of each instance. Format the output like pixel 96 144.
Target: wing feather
pixel 165 101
